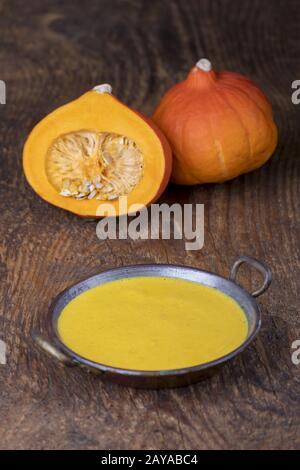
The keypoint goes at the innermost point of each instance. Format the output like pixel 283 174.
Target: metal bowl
pixel 159 378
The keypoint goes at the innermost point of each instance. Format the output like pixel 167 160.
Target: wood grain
pixel 50 53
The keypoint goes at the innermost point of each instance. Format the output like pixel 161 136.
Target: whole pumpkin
pixel 219 125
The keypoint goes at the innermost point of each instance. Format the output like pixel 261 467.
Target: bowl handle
pixel 259 265
pixel 51 350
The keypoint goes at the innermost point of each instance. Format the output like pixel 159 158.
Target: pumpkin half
pixel 93 151
pixel 219 125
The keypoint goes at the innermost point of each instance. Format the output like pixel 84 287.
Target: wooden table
pixel 50 53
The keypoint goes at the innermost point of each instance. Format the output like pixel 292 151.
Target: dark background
pixel 50 53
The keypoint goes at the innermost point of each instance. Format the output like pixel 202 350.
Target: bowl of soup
pixel 154 326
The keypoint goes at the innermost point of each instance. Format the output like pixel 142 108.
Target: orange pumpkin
pixel 94 150
pixel 219 125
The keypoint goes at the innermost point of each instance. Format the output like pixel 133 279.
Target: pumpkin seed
pixel 92 194
pixel 81 196
pixel 65 193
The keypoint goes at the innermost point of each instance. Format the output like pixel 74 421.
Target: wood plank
pixel 50 53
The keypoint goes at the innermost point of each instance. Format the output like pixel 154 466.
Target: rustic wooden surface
pixel 51 52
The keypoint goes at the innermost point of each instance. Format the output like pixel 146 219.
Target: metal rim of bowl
pixel 81 361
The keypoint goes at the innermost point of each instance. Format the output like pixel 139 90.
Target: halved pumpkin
pixel 93 151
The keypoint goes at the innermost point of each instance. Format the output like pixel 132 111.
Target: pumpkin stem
pixel 104 88
pixel 204 64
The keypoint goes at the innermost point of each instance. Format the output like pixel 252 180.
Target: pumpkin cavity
pixel 87 164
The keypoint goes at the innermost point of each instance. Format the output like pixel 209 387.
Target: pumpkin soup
pixel 152 323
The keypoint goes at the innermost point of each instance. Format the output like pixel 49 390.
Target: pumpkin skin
pixel 219 124
pixel 96 112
